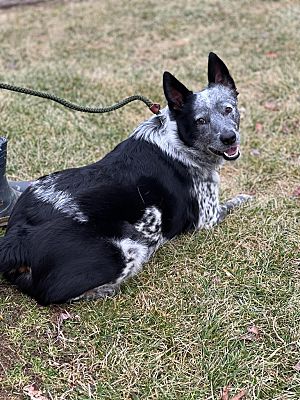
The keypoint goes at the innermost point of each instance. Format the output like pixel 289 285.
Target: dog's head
pixel 207 121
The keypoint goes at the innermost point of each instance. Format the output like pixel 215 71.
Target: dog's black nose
pixel 228 137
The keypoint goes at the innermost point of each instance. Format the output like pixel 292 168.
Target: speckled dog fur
pixel 81 232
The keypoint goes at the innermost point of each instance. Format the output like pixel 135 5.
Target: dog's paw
pixel 242 198
pixel 238 200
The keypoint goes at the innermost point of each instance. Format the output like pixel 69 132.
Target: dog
pixel 79 233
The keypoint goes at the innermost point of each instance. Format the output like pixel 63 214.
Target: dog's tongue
pixel 232 150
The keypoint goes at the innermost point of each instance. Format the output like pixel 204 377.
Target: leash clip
pixel 155 108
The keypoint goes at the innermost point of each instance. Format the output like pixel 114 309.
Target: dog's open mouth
pixel 230 154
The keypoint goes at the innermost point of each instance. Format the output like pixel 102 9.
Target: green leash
pixel 154 107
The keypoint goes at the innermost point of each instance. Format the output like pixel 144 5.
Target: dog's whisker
pixel 138 189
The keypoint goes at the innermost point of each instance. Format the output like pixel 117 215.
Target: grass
pixel 179 329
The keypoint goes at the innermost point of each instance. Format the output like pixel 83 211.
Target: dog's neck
pixel 162 131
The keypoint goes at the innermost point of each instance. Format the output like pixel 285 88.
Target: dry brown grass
pixel 177 331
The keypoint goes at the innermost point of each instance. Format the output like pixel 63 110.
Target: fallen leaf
pixel 297 366
pixel 34 393
pixel 286 130
pixel 241 395
pixel 271 106
pixel 216 280
pixel 255 152
pixel 253 329
pixel 225 394
pixel 181 42
pixel 296 192
pixel 63 316
pixel 259 127
pixel 252 335
pixel 271 54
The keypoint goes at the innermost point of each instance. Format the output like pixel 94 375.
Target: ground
pixel 212 308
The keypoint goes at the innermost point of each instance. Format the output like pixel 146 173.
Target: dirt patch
pixel 7 360
pixel 5 395
pixel 8 356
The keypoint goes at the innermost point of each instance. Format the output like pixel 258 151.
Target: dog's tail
pixel 12 254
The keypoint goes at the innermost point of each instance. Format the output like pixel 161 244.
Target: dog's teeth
pixel 231 155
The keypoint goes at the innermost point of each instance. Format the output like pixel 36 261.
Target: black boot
pixel 9 191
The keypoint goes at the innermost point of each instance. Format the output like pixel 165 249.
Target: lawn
pixel 213 308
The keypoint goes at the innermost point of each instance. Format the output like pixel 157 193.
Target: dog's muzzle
pixel 231 154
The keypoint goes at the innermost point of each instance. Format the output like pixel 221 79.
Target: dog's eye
pixel 201 121
pixel 228 109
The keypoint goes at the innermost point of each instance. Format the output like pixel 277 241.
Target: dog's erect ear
pixel 218 72
pixel 176 93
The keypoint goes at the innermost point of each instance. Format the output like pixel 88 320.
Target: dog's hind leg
pixel 54 270
pixel 90 275
pixel 230 205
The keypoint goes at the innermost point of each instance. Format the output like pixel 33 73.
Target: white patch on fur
pixel 45 190
pixel 207 195
pixel 162 131
pixel 149 226
pixel 135 254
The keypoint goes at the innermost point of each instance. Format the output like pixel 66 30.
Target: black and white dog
pixel 79 233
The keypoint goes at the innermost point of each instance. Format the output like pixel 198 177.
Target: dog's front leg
pixel 227 208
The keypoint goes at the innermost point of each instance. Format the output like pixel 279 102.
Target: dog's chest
pixel 206 194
